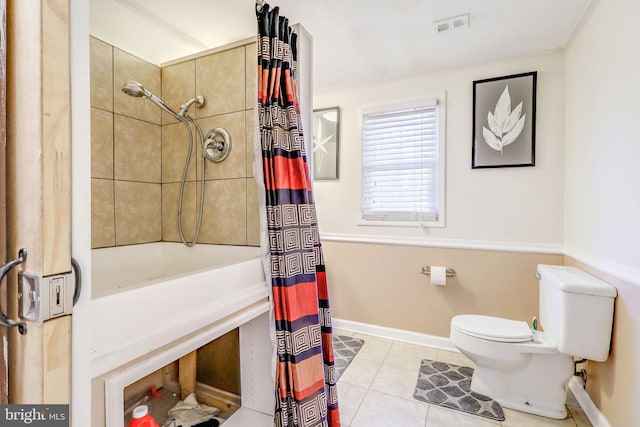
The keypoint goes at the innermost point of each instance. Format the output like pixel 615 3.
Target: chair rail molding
pixel 486 245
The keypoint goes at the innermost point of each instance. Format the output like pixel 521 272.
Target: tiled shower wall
pixel 138 151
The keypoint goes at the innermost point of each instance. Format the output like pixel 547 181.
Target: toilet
pixel 529 370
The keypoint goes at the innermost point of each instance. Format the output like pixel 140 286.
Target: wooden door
pixel 38 188
pixel 3 201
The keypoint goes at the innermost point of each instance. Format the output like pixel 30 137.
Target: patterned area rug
pixel 448 385
pixel 344 350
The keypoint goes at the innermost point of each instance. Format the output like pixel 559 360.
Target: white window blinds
pixel 400 165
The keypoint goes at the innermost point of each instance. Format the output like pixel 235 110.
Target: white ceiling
pixel 354 40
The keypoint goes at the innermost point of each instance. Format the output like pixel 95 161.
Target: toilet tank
pixel 576 311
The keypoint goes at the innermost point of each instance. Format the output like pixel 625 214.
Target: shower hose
pixel 188 243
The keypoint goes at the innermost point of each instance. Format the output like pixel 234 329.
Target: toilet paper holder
pixel 427 271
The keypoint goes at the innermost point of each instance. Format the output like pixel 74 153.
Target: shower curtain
pixel 306 392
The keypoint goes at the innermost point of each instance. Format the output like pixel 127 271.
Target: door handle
pixel 78 276
pixel 22 326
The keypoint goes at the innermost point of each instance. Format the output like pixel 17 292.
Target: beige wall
pixel 602 204
pixel 138 152
pixel 514 206
pixel 382 285
pixel 614 385
pixel 508 219
pixel 580 200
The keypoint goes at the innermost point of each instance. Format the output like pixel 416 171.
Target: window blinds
pixel 400 165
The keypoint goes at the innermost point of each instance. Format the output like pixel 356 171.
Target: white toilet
pixel 529 370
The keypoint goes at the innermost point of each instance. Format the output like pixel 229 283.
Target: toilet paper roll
pixel 438 275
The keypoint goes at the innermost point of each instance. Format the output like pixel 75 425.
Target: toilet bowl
pixel 528 370
pixel 519 368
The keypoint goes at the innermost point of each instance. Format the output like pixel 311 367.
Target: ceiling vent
pixel 453 23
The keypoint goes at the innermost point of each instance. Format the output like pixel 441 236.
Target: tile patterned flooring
pixel 376 390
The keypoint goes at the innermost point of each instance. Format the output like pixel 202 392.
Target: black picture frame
pixel 504 121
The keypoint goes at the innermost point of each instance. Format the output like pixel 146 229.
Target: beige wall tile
pixel 251 75
pixel 220 78
pixel 138 212
pixel 102 213
pixel 137 150
pixel 128 67
pixel 126 149
pixel 101 57
pixel 178 86
pixel 250 134
pixel 175 146
pixel 101 144
pixel 253 219
pixel 224 217
pixel 234 166
pixel 170 198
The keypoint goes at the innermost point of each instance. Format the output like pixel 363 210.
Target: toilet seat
pixel 492 328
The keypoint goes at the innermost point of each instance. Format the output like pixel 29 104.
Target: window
pixel 403 164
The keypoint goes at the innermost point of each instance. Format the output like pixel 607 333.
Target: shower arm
pixel 164 107
pixel 199 100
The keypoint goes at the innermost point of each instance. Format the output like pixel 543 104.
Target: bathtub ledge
pixel 130 325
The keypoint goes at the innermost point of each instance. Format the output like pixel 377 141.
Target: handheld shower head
pixel 135 89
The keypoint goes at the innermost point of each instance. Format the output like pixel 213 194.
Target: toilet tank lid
pixel 574 280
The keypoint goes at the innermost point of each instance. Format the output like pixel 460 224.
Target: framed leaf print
pixel 504 121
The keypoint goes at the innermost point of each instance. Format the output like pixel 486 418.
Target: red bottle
pixel 142 418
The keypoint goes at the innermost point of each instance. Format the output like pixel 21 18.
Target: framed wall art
pixel 326 137
pixel 504 121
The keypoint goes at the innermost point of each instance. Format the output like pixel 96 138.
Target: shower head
pixel 135 89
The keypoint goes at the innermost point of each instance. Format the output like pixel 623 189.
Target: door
pixel 3 204
pixel 38 174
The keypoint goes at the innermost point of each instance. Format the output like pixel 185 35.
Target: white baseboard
pixel 395 334
pixel 584 400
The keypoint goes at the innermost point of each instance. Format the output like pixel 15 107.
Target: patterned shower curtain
pixel 306 392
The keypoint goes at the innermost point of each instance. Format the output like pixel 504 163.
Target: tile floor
pixel 376 391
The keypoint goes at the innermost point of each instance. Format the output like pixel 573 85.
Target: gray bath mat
pixel 344 350
pixel 448 385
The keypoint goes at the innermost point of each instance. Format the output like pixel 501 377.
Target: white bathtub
pixel 147 296
pixel 123 268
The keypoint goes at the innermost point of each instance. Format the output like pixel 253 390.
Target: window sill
pixel 404 224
